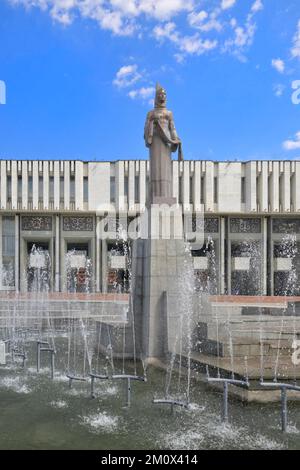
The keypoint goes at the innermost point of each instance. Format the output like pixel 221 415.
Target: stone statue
pixel 161 138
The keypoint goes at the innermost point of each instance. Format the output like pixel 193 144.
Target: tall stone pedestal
pixel 158 267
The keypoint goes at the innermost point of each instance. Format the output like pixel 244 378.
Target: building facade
pixel 251 209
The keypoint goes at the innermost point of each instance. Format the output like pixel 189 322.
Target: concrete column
pixel 286 188
pixel 3 191
pixel 14 185
pixel 142 195
pixel 175 180
pixel 67 185
pixel 98 256
pixel 120 196
pixel 63 274
pixel 209 187
pixel 56 186
pixel 271 260
pixel 24 185
pixel 264 264
pixel 222 256
pixel 79 186
pixel 197 187
pixel 274 188
pixel 35 185
pixel 57 253
pixel 104 266
pixel 264 200
pixel 46 185
pixel 17 253
pixel 296 189
pixel 228 259
pixel 1 261
pixel 251 187
pixel 131 186
pixel 186 186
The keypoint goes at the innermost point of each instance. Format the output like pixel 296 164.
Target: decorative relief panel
pixel 211 225
pixel 36 223
pixel 286 226
pixel 78 224
pixel 245 225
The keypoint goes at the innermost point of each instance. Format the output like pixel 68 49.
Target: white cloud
pixel 205 22
pixel 144 93
pixel 257 6
pixel 243 35
pixel 188 44
pixel 278 89
pixel 295 51
pixel 132 18
pixel 127 76
pixel 118 16
pixel 227 4
pixel 278 65
pixel 292 144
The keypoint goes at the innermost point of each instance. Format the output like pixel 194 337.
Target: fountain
pixel 172 341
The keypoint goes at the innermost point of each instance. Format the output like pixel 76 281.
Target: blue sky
pixel 80 75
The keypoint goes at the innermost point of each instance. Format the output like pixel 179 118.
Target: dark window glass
pixel 243 190
pixel 62 189
pixel 112 189
pixel 30 188
pixel 85 189
pixel 41 188
pixel 72 189
pixel 51 188
pixel 8 187
pixel 137 189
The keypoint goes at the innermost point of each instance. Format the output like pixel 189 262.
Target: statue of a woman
pixel 161 138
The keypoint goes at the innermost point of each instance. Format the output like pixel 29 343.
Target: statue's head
pixel 160 97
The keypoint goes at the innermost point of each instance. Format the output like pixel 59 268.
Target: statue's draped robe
pixel 162 140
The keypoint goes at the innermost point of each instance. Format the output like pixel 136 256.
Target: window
pixel 29 188
pixel 180 190
pixel 191 189
pixel 85 189
pixel 41 188
pixel 62 189
pixel 72 189
pixel 20 188
pixel 126 187
pixel 148 190
pixel 215 190
pixel 8 182
pixel 112 189
pixel 202 189
pixel 137 189
pixel 257 190
pixel 243 190
pixel 51 188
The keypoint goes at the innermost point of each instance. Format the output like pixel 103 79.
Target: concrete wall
pixel 270 186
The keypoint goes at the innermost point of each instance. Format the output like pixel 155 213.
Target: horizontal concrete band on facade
pixel 222 187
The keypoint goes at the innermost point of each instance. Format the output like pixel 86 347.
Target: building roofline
pixel 143 160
